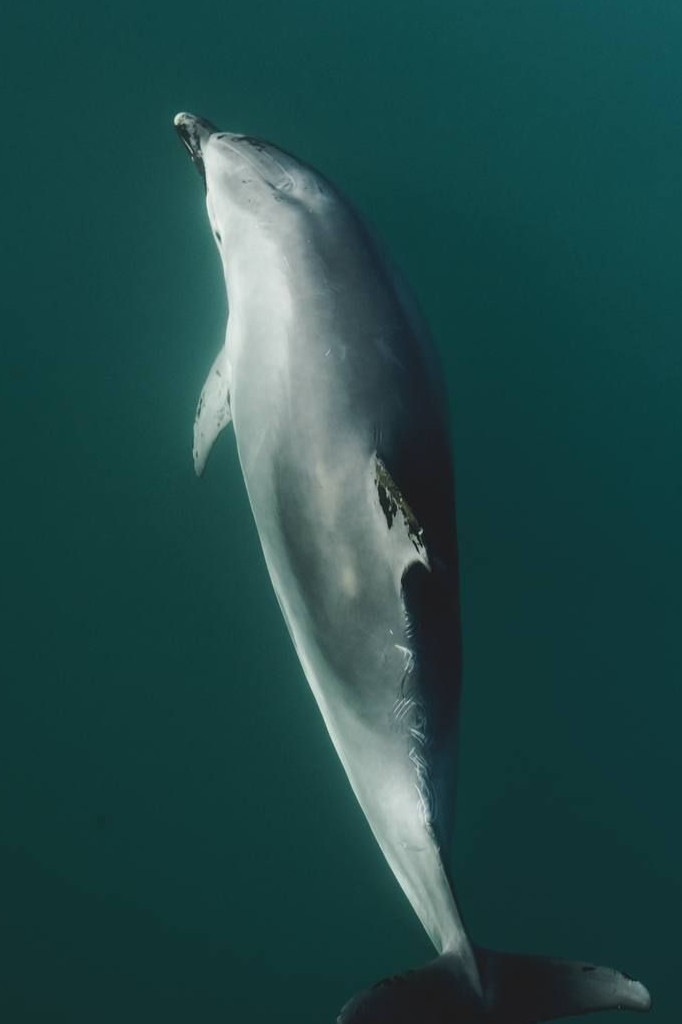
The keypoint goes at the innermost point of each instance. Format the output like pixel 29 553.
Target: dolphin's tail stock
pixel 509 989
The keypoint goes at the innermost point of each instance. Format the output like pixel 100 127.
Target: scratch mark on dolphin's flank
pixel 409 717
pixel 427 803
pixel 407 653
pixel 405 702
pixel 423 806
pixel 401 707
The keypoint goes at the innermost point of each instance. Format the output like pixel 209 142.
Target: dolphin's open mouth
pixel 193 132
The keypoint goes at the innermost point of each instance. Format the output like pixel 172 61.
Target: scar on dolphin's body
pixel 342 434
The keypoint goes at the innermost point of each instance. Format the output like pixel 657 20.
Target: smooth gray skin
pixel 330 381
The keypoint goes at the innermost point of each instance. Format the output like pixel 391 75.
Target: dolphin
pixel 330 379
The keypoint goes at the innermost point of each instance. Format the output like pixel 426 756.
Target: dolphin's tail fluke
pixel 527 989
pixel 509 989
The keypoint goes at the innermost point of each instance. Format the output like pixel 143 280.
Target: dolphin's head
pixel 247 180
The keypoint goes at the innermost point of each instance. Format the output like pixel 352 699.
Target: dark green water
pixel 177 840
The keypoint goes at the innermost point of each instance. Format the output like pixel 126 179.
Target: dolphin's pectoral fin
pixel 213 411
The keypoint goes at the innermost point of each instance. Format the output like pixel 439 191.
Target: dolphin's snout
pixel 194 133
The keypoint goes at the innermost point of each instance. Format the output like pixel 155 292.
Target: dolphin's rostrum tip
pixel 182 119
pixel 194 132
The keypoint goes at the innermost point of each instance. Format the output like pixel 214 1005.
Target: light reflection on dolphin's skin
pixel 329 377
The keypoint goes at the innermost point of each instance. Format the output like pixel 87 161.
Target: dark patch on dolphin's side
pixel 388 505
pixel 392 501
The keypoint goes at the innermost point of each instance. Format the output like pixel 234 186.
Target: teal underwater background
pixel 177 839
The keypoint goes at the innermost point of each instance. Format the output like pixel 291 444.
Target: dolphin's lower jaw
pixel 513 990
